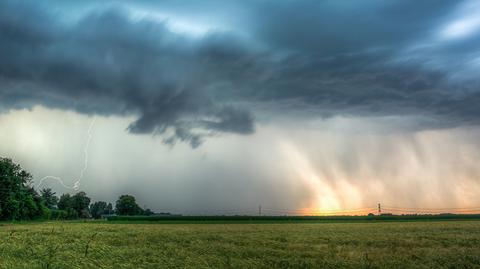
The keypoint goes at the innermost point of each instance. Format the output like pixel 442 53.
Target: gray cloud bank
pixel 325 58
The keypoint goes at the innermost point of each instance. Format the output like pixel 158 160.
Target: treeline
pixel 20 201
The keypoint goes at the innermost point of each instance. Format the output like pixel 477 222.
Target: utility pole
pixel 260 210
pixel 379 209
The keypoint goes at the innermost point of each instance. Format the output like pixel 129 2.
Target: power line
pixel 426 208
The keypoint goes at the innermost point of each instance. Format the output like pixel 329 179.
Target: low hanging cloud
pixel 281 58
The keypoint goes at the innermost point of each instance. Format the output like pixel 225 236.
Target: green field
pixel 432 244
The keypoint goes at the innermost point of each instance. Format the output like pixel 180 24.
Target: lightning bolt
pixel 76 184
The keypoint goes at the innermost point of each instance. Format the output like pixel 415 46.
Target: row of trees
pixel 20 201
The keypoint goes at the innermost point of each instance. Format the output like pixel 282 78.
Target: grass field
pixel 433 244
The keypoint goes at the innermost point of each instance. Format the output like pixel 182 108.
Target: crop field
pixel 432 244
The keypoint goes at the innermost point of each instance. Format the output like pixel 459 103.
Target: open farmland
pixel 433 244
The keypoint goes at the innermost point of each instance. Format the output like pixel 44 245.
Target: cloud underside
pixel 299 56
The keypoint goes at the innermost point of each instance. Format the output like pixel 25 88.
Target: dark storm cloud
pixel 327 57
pixel 332 27
pixel 108 64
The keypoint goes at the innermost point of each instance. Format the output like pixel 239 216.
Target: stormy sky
pixel 218 106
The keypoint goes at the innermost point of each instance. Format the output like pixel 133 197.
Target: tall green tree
pixel 49 198
pixel 126 205
pixel 18 200
pixel 110 209
pixel 80 203
pixel 98 209
pixel 65 204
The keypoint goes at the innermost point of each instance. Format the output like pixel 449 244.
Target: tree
pixel 126 205
pixel 110 209
pixel 98 209
pixel 80 203
pixel 148 212
pixel 65 205
pixel 17 199
pixel 65 202
pixel 35 205
pixel 49 198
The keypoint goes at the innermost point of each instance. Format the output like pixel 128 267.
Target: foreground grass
pixel 448 244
